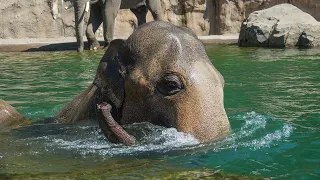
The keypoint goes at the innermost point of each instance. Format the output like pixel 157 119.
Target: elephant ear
pixel 110 78
pixel 107 87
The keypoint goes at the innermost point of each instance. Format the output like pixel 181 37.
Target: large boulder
pixel 282 25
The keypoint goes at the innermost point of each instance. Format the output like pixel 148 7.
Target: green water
pixel 272 98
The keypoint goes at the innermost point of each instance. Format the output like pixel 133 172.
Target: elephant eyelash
pixel 170 84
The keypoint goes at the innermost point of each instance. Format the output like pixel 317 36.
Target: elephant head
pixel 161 74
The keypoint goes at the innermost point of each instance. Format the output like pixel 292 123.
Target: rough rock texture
pixel 188 13
pixel 33 19
pixel 226 16
pixel 282 25
pixel 49 19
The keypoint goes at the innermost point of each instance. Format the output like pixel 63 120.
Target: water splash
pixel 269 139
pixel 257 131
pixel 88 140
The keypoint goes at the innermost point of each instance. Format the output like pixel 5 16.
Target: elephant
pixel 161 74
pixel 105 12
pixel 10 117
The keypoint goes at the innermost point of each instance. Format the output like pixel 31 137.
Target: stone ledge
pixel 69 43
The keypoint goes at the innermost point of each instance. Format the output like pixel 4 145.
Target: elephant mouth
pixel 111 129
pixel 115 133
pixel 162 121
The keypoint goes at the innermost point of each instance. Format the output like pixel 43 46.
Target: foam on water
pixel 158 139
pixel 255 131
pixel 88 140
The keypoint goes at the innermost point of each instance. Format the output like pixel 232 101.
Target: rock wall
pixel 188 13
pixel 49 19
pixel 226 16
pixel 33 19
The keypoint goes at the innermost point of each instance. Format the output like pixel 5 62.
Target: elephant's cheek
pixel 188 115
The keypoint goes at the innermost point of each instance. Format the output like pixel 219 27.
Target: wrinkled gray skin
pixel 105 12
pixel 160 74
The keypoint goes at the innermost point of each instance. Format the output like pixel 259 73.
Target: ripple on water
pixel 256 131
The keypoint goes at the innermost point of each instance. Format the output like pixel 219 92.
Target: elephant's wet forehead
pixel 166 52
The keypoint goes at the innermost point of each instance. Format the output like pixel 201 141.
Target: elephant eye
pixel 169 84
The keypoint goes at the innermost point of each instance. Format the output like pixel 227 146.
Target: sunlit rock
pixel 283 25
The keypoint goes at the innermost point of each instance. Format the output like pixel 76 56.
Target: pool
pixel 272 98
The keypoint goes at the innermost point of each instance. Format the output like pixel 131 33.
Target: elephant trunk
pixel 111 129
pixel 208 120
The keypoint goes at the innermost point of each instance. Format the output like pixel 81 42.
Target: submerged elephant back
pixel 79 108
pixel 10 117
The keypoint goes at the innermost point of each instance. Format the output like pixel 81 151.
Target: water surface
pixel 271 97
